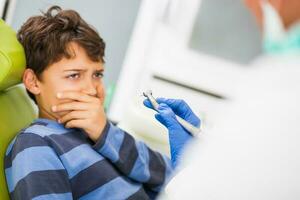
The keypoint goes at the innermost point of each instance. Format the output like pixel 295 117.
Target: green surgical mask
pixel 276 40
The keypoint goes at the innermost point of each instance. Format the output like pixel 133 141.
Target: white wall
pixel 226 29
pixel 2 3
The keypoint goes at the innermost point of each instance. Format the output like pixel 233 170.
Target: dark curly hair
pixel 45 39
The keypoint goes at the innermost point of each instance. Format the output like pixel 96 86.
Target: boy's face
pixel 77 74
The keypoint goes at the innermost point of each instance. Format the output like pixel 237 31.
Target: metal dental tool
pixel 194 131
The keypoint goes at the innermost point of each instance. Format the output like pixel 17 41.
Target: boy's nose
pixel 90 88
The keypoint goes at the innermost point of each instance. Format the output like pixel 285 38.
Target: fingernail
pixel 58 95
pixel 53 108
pixel 58 121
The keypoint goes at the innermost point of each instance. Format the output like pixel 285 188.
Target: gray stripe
pixel 92 178
pixel 128 154
pixel 39 123
pixel 157 168
pixel 40 183
pixel 65 142
pixel 60 143
pixel 23 141
pixel 102 139
pixel 140 194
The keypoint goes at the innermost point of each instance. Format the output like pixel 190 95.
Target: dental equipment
pixel 194 131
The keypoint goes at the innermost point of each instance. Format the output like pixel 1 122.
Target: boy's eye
pixel 98 75
pixel 73 76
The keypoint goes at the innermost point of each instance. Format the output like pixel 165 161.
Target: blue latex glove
pixel 178 136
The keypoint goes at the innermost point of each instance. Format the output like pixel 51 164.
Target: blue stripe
pixel 23 141
pixel 41 183
pixel 113 144
pixel 118 188
pixel 49 123
pixel 140 170
pixel 10 146
pixel 68 141
pixel 30 160
pixel 79 158
pixel 64 196
pixel 44 131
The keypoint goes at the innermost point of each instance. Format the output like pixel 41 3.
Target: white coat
pixel 255 151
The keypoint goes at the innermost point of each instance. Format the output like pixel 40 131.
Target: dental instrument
pixel 194 131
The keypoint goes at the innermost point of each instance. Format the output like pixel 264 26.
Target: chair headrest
pixel 12 57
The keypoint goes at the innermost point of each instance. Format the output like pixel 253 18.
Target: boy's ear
pixel 30 81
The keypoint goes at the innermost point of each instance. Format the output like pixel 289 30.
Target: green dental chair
pixel 16 109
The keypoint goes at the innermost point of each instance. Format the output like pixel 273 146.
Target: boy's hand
pixel 85 112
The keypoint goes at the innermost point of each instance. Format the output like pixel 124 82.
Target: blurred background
pixel 217 33
pixel 195 50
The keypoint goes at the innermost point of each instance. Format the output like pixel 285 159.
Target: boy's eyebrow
pixel 78 69
pixel 75 70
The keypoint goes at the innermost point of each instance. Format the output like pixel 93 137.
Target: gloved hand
pixel 178 136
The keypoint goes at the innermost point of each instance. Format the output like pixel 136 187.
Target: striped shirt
pixel 48 161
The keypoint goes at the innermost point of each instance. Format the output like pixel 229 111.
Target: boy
pixel 72 151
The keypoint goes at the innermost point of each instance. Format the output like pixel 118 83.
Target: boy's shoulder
pixel 34 135
pixel 43 127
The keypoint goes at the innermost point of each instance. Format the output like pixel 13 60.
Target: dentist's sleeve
pixel 134 158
